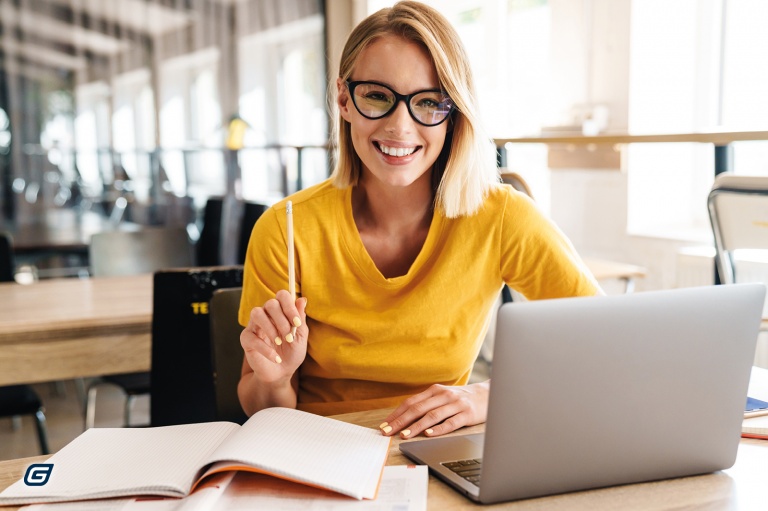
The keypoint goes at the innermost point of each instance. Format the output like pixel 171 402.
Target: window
pixel 92 124
pixel 190 125
pixel 283 94
pixel 133 128
pixel 699 67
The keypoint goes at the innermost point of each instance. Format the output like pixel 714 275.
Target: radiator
pixel 695 266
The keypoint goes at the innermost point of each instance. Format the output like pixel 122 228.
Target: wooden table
pixel 741 487
pixel 60 329
pixel 606 270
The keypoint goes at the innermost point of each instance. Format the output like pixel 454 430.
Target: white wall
pixel 590 58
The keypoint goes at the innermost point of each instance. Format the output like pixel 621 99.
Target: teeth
pixel 396 151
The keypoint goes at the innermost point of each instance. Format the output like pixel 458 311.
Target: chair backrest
pixel 227 353
pixel 182 374
pixel 227 225
pixel 516 180
pixel 142 251
pixel 209 243
pixel 251 212
pixel 738 213
pixel 6 258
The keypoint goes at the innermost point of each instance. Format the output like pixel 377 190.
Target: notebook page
pixel 757 426
pixel 403 488
pixel 112 462
pixel 311 449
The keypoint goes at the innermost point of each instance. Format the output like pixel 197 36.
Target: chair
pixel 129 253
pixel 17 400
pixel 738 214
pixel 183 389
pixel 227 225
pixel 227 353
pixel 144 251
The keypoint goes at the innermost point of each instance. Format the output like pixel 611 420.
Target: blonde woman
pixel 401 254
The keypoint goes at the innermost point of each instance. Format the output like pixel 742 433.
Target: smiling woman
pixel 402 253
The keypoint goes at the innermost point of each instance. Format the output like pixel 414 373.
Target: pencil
pixel 291 263
pixel 291 277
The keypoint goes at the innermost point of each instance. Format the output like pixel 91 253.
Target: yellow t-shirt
pixel 374 341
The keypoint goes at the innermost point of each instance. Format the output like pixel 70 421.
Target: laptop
pixel 602 391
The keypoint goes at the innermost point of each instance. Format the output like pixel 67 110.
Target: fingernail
pixel 429 431
pixel 297 322
pixel 278 359
pixel 383 425
pixel 278 340
pixel 405 433
pixel 386 429
pixel 288 338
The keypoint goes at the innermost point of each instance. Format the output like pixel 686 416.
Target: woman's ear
pixel 342 98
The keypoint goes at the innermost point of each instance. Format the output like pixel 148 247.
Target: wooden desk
pixel 70 328
pixel 741 487
pixel 607 270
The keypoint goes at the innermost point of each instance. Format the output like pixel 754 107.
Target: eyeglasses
pixel 374 100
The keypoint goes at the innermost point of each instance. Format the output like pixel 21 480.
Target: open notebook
pixel 172 460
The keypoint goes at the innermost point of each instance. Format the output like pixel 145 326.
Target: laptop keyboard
pixel 468 469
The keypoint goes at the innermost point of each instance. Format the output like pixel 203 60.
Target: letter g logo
pixel 38 474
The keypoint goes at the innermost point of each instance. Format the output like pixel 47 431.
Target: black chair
pixel 17 400
pixel 227 225
pixel 251 212
pixel 182 381
pixel 209 242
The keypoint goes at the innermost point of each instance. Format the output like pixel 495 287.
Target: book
pixel 755 407
pixel 755 427
pixel 403 488
pixel 172 461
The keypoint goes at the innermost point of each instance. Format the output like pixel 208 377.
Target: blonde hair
pixel 466 167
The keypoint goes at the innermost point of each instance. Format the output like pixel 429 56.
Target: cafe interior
pixel 141 135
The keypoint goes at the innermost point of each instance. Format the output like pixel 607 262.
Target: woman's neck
pixel 393 210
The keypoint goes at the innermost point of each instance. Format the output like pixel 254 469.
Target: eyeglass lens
pixel 373 100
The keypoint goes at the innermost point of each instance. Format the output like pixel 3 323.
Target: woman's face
pixel 395 149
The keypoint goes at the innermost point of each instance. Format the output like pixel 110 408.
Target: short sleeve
pixel 537 259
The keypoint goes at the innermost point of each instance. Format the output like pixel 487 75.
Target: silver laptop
pixel 601 391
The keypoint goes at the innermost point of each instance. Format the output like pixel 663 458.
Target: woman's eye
pixel 428 103
pixel 377 96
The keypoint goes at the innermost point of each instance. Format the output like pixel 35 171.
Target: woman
pixel 402 253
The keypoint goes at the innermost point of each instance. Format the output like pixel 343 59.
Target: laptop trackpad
pixel 434 451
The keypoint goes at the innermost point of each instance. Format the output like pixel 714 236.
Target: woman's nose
pixel 400 119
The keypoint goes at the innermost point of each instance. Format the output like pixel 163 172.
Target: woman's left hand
pixel 439 410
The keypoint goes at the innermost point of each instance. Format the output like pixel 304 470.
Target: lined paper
pixel 312 449
pixel 112 462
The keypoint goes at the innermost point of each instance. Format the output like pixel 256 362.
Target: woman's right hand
pixel 271 350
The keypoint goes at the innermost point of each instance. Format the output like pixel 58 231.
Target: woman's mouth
pixel 397 152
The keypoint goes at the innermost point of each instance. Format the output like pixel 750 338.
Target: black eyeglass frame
pixel 406 98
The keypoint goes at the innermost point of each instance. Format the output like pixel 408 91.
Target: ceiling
pixel 71 35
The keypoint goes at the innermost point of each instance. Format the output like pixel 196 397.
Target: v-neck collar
pixel 362 259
